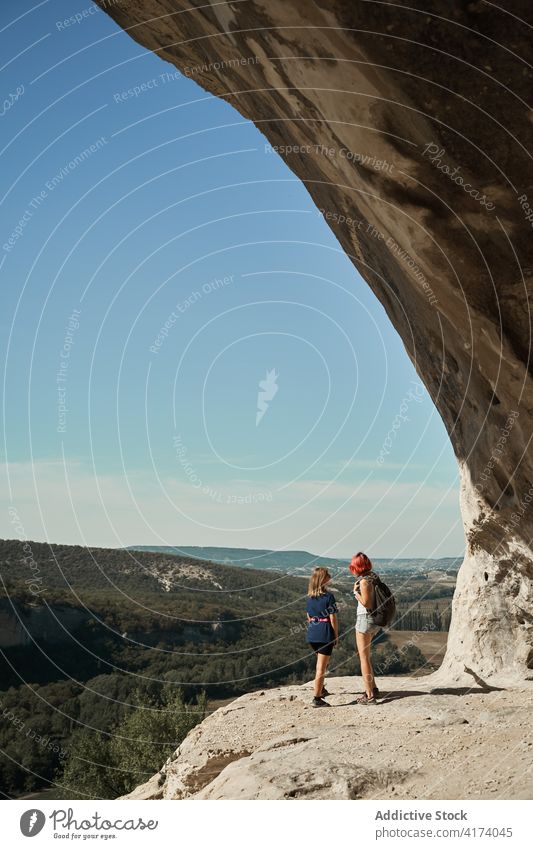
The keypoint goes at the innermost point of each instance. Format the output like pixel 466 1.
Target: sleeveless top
pixel 371 576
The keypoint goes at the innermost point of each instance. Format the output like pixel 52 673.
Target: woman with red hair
pixel 365 627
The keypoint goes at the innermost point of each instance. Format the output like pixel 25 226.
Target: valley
pixel 91 640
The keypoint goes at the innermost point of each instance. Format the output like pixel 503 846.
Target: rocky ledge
pixel 421 741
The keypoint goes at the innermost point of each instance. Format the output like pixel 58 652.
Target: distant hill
pixel 122 570
pixel 248 558
pixel 296 562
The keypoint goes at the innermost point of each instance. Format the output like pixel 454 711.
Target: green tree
pixel 151 733
pixel 88 771
pixel 106 766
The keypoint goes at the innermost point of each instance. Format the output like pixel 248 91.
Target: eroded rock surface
pixel 390 108
pixel 419 742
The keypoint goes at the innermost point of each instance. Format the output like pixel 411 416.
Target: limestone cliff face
pixel 21 624
pixel 411 130
pixel 418 742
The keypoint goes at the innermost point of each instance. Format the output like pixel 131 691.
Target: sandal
pixel 364 700
pixel 375 693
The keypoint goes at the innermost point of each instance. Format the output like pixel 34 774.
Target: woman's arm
pixel 335 625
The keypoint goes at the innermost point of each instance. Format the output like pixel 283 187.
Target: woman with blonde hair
pixel 322 628
pixel 365 627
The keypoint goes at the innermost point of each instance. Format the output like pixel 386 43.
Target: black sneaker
pixel 318 701
pixel 324 693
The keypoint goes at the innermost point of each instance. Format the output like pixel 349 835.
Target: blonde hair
pixel 317 581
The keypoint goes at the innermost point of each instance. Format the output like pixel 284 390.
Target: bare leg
pixel 363 647
pixel 322 661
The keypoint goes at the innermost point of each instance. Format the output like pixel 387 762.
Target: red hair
pixel 360 564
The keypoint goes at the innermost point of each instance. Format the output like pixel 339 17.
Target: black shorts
pixel 322 648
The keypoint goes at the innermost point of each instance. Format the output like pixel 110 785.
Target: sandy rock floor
pixel 449 743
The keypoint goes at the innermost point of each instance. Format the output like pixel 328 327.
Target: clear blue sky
pixel 159 441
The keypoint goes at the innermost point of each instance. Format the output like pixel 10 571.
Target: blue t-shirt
pixel 320 608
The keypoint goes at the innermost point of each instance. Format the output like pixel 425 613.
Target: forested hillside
pixel 88 636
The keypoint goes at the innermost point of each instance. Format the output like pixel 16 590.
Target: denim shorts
pixel 364 623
